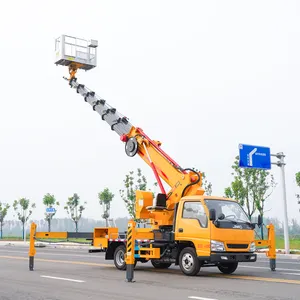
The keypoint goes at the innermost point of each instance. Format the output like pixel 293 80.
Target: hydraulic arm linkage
pixel 182 181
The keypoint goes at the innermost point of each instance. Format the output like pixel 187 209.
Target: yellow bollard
pixel 130 249
pixel 32 250
pixel 272 246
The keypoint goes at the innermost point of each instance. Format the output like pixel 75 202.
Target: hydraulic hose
pixel 192 183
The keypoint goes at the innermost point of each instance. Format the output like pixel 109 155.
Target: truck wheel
pixel 119 257
pixel 160 265
pixel 228 268
pixel 189 262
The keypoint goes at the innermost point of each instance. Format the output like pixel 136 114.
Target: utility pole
pixel 281 164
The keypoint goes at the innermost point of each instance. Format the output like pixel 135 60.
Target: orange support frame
pixel 40 235
pixel 130 249
pixel 271 244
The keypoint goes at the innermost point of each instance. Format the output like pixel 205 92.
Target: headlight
pixel 216 246
pixel 252 247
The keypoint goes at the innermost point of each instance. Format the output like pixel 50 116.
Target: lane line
pixel 266 268
pixel 278 261
pixel 298 274
pixel 266 279
pixel 61 261
pixel 200 298
pixel 61 278
pixel 276 280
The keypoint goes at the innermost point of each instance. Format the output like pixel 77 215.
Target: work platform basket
pixel 70 50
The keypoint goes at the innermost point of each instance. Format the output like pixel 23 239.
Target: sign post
pixel 50 210
pixel 257 157
pixel 281 164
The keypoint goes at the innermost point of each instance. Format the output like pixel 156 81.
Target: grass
pixel 294 243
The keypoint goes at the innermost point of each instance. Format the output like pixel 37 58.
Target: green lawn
pixel 294 243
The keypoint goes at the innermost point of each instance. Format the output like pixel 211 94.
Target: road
pixel 65 274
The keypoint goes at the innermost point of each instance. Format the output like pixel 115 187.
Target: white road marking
pixel 200 298
pixel 278 261
pixel 266 268
pixel 60 278
pixel 292 274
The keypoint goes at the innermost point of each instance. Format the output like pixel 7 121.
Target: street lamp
pixel 281 164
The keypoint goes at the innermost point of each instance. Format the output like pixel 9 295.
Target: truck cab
pixel 217 230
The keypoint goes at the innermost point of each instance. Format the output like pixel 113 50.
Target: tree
pixel 206 185
pixel 105 197
pixel 132 184
pixel 49 201
pixel 24 210
pixel 74 209
pixel 298 178
pixel 250 187
pixel 3 212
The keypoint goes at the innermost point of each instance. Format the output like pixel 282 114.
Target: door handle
pixel 180 229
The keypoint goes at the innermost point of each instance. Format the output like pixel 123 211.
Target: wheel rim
pixel 187 262
pixel 120 258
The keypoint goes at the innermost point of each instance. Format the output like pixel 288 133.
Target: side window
pixel 195 210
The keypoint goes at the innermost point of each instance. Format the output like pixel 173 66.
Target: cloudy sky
pixel 200 76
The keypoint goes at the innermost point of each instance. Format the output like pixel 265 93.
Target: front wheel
pixel 228 268
pixel 160 265
pixel 189 262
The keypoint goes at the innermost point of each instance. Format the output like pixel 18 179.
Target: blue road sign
pixel 255 157
pixel 50 210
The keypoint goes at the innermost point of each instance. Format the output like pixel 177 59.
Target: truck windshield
pixel 232 210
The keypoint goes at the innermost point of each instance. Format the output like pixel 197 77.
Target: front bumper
pixel 233 257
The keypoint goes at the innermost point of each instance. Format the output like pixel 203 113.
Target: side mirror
pixel 221 216
pixel 212 214
pixel 259 221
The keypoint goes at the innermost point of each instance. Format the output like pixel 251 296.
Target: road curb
pixel 281 255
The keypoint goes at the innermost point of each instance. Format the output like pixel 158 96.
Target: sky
pixel 199 76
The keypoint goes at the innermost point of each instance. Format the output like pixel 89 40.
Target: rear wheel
pixel 160 265
pixel 189 262
pixel 119 258
pixel 228 268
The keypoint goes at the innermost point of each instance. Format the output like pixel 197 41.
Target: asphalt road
pixel 65 274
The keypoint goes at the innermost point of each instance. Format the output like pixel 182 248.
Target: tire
pixel 160 265
pixel 228 268
pixel 119 258
pixel 189 262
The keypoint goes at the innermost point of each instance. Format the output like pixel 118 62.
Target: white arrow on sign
pixel 250 160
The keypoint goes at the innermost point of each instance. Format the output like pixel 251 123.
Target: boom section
pixel 181 181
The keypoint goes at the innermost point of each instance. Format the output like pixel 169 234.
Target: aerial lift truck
pixel 186 227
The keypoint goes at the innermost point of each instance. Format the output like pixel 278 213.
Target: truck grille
pixel 237 246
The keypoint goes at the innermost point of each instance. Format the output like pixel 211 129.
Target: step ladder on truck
pixel 187 227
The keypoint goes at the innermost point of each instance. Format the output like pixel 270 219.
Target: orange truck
pixel 185 227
